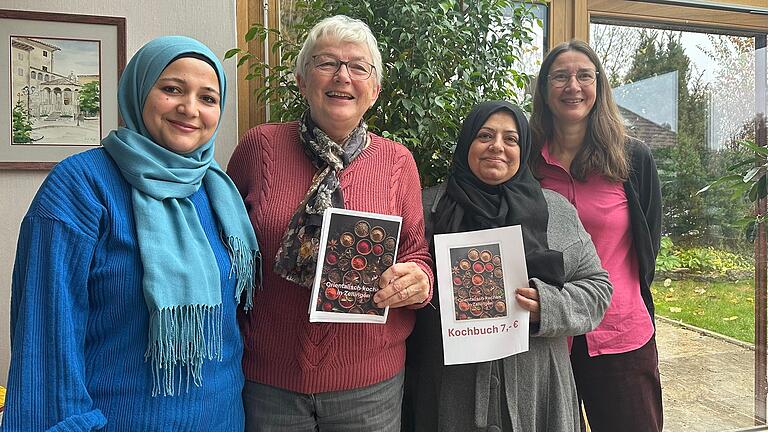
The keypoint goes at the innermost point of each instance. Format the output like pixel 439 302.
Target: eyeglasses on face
pixel 329 65
pixel 585 77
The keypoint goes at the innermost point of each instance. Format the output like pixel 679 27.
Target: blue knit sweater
pixel 79 322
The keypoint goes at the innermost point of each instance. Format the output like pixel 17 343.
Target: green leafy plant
pixel 700 260
pixel 667 260
pixel 22 127
pixel 746 180
pixel 747 177
pixel 439 58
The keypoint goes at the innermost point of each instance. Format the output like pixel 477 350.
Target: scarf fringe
pixel 181 337
pixel 246 266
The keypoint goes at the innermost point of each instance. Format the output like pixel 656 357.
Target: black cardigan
pixel 644 196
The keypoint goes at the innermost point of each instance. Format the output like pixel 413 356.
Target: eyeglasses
pixel 329 65
pixel 585 77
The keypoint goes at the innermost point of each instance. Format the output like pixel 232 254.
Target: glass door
pixel 696 95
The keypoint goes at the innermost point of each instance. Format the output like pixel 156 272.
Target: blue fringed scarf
pixel 181 278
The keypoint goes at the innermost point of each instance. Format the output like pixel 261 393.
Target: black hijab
pixel 470 204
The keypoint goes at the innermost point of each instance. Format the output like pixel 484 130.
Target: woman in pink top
pixel 581 150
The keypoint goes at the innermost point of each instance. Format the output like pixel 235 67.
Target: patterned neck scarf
pixel 296 258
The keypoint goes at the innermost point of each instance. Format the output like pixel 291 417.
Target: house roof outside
pixel 654 135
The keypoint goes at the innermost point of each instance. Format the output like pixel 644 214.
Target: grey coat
pixel 535 388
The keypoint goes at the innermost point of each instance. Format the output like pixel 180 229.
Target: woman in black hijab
pixel 490 185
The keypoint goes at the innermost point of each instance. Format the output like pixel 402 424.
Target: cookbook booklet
pixel 477 274
pixel 355 249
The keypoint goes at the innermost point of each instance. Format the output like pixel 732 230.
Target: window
pixel 703 389
pixel 688 82
pixel 531 58
pixel 45 53
pixel 532 54
pixel 21 72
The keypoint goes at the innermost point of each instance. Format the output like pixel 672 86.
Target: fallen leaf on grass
pixel 731 318
pixel 675 309
pixel 670 298
pixel 667 282
pixel 699 291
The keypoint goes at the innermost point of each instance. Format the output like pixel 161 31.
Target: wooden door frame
pixel 249 112
pixel 569 19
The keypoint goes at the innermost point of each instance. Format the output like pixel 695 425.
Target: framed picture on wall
pixel 59 73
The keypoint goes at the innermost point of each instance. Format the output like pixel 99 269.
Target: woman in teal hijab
pixel 131 263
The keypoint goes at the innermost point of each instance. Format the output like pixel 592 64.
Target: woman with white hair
pixel 328 376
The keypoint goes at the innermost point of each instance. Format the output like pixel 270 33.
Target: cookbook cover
pixel 355 249
pixel 477 275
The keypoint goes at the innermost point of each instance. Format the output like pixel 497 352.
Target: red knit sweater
pixel 282 348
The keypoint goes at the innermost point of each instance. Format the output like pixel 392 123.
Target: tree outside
pixel 614 45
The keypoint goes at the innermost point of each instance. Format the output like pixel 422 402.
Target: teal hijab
pixel 181 278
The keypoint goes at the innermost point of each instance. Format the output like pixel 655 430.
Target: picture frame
pixel 60 72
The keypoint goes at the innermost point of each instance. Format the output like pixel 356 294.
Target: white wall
pixel 210 21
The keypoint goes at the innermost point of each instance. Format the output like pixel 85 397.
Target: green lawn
pixel 727 308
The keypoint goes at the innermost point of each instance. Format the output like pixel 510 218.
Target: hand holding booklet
pixel 355 249
pixel 477 275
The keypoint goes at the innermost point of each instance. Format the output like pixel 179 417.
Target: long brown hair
pixel 603 150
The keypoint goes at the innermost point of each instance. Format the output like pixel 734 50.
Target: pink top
pixel 603 209
pixel 282 348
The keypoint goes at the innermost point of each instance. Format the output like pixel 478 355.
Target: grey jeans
pixel 375 408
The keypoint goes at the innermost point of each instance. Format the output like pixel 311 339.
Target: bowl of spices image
pixel 378 234
pixel 347 300
pixel 347 239
pixel 362 228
